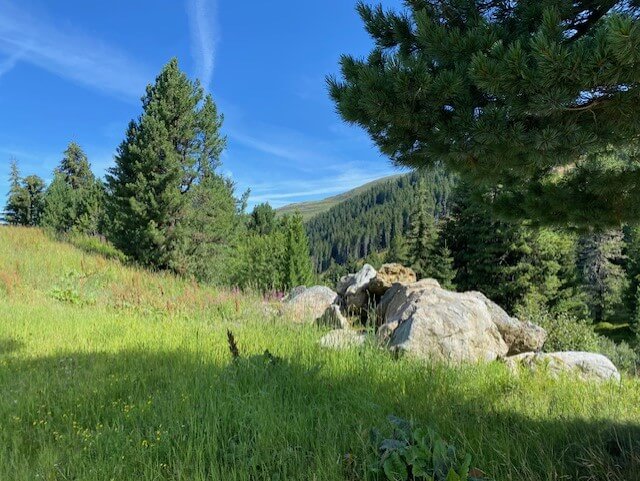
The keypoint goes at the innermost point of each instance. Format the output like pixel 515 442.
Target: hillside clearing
pixel 110 372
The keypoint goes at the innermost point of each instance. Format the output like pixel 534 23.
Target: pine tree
pixel 162 168
pixel 442 266
pixel 75 198
pixel 12 212
pixel 532 96
pixel 423 234
pixel 25 200
pixel 31 209
pixel 632 271
pixel 263 219
pixel 299 270
pixel 490 255
pixel 75 167
pixel 398 247
pixel 600 264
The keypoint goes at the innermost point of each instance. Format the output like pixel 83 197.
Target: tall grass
pixel 128 377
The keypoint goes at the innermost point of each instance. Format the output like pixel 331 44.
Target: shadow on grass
pixel 9 346
pixel 179 416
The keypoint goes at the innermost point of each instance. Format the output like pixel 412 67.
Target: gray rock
pixel 519 336
pixel 294 292
pixel 342 339
pixel 429 322
pixel 311 303
pixel 587 366
pixel 353 288
pixel 333 317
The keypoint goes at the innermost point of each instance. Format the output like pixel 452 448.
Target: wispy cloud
pixel 8 63
pixel 297 190
pixel 303 155
pixel 72 55
pixel 204 37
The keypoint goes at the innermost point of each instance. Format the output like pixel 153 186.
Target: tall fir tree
pixel 33 188
pixel 25 201
pixel 263 219
pixel 12 211
pixel 632 269
pixel 168 158
pixel 299 269
pixel 75 167
pixel 398 246
pixel 75 198
pixel 506 261
pixel 427 253
pixel 423 235
pixel 532 97
pixel 600 263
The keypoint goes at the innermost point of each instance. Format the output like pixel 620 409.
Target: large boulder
pixel 398 295
pixel 429 322
pixel 334 318
pixel 311 303
pixel 587 366
pixel 520 336
pixel 353 288
pixel 390 274
pixel 393 309
pixel 342 339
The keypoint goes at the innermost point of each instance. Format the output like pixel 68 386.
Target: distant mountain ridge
pixel 312 208
pixel 362 221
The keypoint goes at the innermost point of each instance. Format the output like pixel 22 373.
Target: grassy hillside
pixel 111 373
pixel 310 209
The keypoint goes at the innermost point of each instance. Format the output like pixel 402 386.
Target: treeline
pixel 448 230
pixel 165 204
pixel 367 223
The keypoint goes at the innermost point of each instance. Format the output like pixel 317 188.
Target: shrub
pixel 568 333
pixel 622 354
pixel 419 455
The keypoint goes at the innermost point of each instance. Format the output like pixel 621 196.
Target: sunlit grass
pixel 110 372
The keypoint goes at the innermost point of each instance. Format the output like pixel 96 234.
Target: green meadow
pixel 109 372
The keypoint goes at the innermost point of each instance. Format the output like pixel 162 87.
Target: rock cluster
pixel 422 319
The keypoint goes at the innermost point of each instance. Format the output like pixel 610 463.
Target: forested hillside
pixel 366 223
pixel 308 210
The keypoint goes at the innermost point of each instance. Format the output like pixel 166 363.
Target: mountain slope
pixel 310 209
pixel 365 222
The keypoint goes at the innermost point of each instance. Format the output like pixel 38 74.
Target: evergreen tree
pixel 427 254
pixel 632 268
pixel 15 198
pixel 505 261
pixel 442 266
pixel 75 167
pixel 30 211
pixel 398 247
pixel 532 96
pixel 209 232
pixel 299 270
pixel 263 219
pixel 423 235
pixel 600 264
pixel 75 198
pixel 164 169
pixel 25 200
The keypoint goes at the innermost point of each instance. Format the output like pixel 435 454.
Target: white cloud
pixel 204 37
pixel 298 190
pixel 69 54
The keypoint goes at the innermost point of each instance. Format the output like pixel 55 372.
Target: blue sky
pixel 75 70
